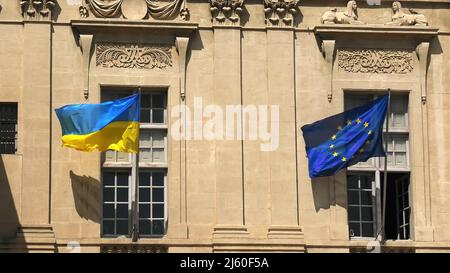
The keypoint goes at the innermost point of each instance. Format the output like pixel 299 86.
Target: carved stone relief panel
pixel 135 9
pixel 386 61
pixel 113 55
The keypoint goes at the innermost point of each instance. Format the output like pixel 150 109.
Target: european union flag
pixel 345 139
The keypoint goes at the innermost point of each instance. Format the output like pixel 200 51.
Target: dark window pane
pixel 407 215
pixel 108 179
pixel 145 101
pixel 108 210
pixel 144 195
pixel 366 182
pixel 158 227
pixel 354 230
pixel 158 179
pixel 158 195
pixel 144 179
pixel 366 214
pixel 405 201
pixel 122 179
pixel 352 182
pixel 122 227
pixel 367 230
pixel 158 101
pixel 122 195
pixel 108 227
pixel 144 211
pixel 406 232
pixel 108 194
pixel 157 211
pixel 353 213
pixel 145 116
pixel 366 198
pixel 122 210
pixel 353 197
pixel 144 227
pixel 158 116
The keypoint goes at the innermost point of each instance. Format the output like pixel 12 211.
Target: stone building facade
pixel 310 58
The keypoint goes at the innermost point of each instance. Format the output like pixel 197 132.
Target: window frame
pixel 15 106
pixel 110 166
pixel 377 166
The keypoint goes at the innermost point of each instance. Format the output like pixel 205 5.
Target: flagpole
pixel 385 166
pixel 135 217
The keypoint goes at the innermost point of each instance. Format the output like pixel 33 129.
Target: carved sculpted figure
pixel 350 16
pixel 402 19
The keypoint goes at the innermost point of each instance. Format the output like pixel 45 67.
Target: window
pixel 151 189
pixel 8 128
pixel 365 179
pixel 116 205
pixel 361 204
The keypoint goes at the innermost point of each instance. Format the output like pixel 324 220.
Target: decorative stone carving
pixel 399 18
pixel 138 9
pixel 393 61
pixel 112 55
pixel 422 52
pixel 105 8
pixel 84 13
pixel 276 10
pixel 328 49
pixel 226 9
pixel 134 9
pixel 167 11
pixel 32 9
pixel 350 16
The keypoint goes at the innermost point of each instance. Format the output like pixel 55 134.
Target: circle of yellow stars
pixel 339 128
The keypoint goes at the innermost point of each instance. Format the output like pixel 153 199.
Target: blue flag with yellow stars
pixel 345 139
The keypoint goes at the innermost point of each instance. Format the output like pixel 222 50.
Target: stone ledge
pixel 332 32
pixel 91 26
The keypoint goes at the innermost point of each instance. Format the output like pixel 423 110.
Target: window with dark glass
pixel 365 179
pixel 8 128
pixel 151 188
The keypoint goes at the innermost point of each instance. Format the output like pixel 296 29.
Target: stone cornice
pixel 100 25
pixel 334 32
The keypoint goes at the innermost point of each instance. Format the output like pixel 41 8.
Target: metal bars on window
pixel 8 128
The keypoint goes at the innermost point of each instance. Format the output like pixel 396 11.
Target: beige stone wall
pixel 223 195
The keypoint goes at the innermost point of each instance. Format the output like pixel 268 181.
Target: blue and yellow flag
pixel 112 125
pixel 345 139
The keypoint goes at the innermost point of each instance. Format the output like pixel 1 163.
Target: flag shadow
pixel 86 193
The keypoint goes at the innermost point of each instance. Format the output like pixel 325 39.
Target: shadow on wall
pixel 330 191
pixel 9 219
pixel 86 193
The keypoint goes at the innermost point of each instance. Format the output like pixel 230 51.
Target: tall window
pixel 8 128
pixel 365 179
pixel 119 181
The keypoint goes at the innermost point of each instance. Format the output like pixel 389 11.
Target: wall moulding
pixel 380 60
pixel 92 26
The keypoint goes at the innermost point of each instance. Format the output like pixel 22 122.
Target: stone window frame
pixel 378 162
pixel 143 166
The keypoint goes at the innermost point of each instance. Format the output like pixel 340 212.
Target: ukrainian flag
pixel 112 125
